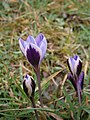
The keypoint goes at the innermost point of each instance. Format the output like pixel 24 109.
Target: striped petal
pixel 71 65
pixel 39 39
pixel 22 44
pixel 31 39
pixel 42 43
pixel 78 65
pixel 43 47
pixel 34 55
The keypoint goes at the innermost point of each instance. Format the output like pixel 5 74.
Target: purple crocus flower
pixel 29 85
pixel 34 49
pixel 77 75
pixel 75 65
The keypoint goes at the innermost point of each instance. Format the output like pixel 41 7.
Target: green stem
pixel 34 106
pixel 39 86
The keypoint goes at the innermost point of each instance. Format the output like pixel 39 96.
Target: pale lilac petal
pixel 43 47
pixel 71 64
pixel 22 44
pixel 39 39
pixel 34 55
pixel 42 43
pixel 31 39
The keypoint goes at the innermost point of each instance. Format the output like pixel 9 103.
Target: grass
pixel 66 25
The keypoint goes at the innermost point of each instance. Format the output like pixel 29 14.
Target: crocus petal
pixel 42 43
pixel 43 47
pixel 34 55
pixel 31 39
pixel 81 79
pixel 26 89
pixel 22 44
pixel 71 78
pixel 33 85
pixel 79 68
pixel 39 39
pixel 71 64
pixel 78 65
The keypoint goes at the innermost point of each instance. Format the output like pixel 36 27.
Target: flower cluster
pixel 34 49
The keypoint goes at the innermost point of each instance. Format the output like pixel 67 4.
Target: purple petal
pixel 42 43
pixel 26 76
pixel 22 44
pixel 79 68
pixel 26 89
pixel 78 65
pixel 43 47
pixel 81 79
pixel 33 54
pixel 31 39
pixel 39 39
pixel 75 57
pixel 71 64
pixel 33 85
pixel 71 78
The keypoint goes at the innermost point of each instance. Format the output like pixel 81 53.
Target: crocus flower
pixel 29 88
pixel 34 49
pixel 77 75
pixel 75 65
pixel 29 85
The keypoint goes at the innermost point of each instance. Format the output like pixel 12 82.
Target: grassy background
pixel 66 25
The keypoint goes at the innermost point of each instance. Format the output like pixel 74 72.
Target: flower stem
pixel 34 106
pixel 39 86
